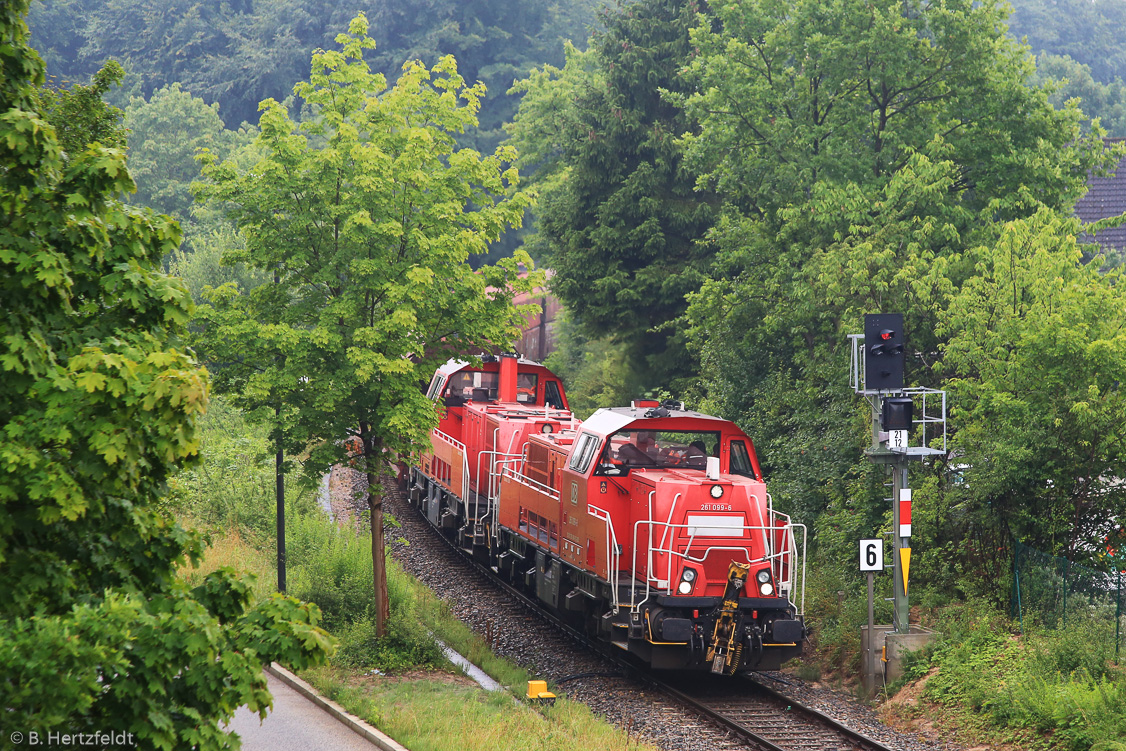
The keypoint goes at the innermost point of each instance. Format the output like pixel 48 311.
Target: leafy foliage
pixel 231 487
pixel 366 214
pixel 198 262
pixel 1035 346
pixel 1013 681
pixel 79 114
pixel 856 175
pixel 1087 31
pixel 99 404
pixel 1104 100
pixel 621 221
pixel 596 372
pixel 240 52
pixel 166 133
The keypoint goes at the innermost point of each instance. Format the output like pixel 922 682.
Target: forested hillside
pixel 1080 44
pixel 237 53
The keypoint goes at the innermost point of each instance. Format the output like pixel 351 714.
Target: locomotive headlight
pixel 716 491
pixel 765 588
pixel 763 576
pixel 687 576
pixel 547 429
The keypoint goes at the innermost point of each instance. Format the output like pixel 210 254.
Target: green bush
pixel 232 486
pixel 1080 713
pixel 330 564
pixel 1081 645
pixel 1057 683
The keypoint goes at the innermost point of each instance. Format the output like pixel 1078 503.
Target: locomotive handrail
pixel 445 437
pixel 492 484
pixel 492 488
pixel 649 578
pixel 459 446
pixel 500 469
pixel 779 560
pixel 523 479
pixel 613 557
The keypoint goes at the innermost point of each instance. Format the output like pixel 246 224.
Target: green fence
pixel 1053 592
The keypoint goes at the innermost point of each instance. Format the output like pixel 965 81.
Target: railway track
pixel 744 707
pixel 771 720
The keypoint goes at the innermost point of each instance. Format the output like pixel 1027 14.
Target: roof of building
pixel 1106 197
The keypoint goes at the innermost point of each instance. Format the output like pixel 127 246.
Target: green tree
pixel 80 115
pixel 161 40
pixel 166 133
pixel 861 148
pixel 99 404
pixel 366 214
pixel 1087 31
pixel 239 52
pixel 596 372
pixel 1036 355
pixel 622 231
pixel 1106 101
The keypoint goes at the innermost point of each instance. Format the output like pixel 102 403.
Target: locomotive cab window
pixel 473 385
pixel 664 449
pixel 526 384
pixel 741 460
pixel 551 395
pixel 583 452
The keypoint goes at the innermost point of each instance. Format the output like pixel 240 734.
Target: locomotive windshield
pixel 659 449
pixel 473 384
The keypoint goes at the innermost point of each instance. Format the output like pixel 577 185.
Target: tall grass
pixel 231 549
pixel 437 716
pixel 332 567
pixel 233 484
pixel 1048 682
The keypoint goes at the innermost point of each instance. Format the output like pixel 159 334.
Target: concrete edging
pixel 370 733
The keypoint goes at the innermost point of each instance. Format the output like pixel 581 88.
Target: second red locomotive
pixel 647 526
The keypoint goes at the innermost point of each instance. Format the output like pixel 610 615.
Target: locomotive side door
pixel 589 551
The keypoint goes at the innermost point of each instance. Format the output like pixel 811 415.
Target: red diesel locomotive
pixel 647 526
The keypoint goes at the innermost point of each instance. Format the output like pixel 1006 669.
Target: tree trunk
pixel 373 452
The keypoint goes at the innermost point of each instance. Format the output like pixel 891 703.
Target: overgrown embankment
pixel 402 683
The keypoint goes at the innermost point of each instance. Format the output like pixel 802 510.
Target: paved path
pixel 295 724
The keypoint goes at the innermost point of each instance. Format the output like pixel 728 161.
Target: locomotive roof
pixel 613 419
pixel 454 365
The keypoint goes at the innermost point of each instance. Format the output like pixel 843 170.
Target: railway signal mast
pixel 878 363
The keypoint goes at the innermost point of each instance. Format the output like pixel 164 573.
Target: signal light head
pixel 884 356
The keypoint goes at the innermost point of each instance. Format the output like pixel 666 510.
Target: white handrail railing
pixel 458 446
pixel 613 556
pixel 783 561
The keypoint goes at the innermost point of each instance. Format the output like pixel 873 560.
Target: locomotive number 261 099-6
pixel 716 507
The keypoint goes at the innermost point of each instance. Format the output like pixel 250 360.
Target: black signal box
pixel 883 352
pixel 898 412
